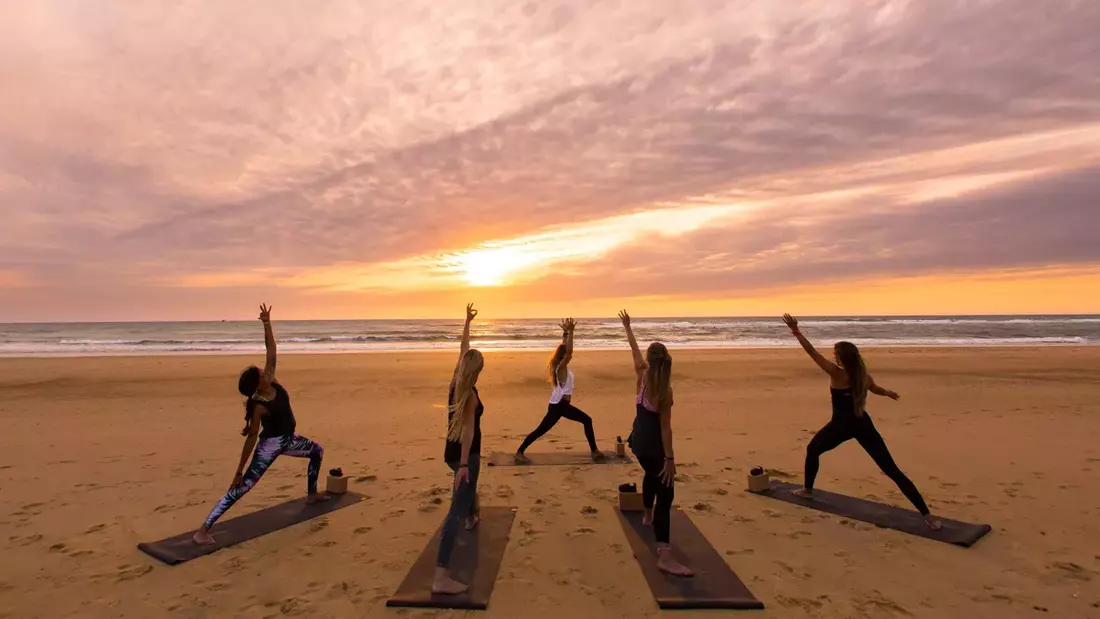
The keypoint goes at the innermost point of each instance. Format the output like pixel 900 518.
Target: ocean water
pixel 133 338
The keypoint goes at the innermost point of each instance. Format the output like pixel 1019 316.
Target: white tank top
pixel 560 391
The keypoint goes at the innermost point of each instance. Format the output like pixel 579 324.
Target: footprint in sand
pixel 286 487
pixel 807 604
pixel 740 551
pixel 95 527
pixel 395 513
pixel 126 572
pixel 702 507
pixel 58 548
pixel 318 525
pixel 361 530
pixel 363 478
pixel 868 605
pixel 581 531
pixel 588 510
pixel 743 519
pixel 504 492
pixel 720 491
pixel 1071 571
pixel 798 534
pixel 770 514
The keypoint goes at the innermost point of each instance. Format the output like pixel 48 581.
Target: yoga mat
pixel 180 548
pixel 883 516
pixel 475 562
pixel 714 584
pixel 555 458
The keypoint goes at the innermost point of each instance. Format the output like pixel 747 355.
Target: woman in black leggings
pixel 651 442
pixel 849 384
pixel 561 397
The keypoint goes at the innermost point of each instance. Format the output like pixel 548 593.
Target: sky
pixel 171 160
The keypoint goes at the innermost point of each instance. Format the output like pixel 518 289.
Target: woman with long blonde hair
pixel 462 455
pixel 849 384
pixel 651 442
pixel 561 398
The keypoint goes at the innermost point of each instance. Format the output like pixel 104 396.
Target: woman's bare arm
pixel 639 360
pixel 269 342
pixel 830 368
pixel 878 390
pixel 471 313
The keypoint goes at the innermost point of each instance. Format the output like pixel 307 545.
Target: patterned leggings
pixel 267 450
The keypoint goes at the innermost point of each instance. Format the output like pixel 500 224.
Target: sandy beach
pixel 103 453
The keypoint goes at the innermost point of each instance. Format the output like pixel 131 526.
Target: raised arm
pixel 639 360
pixel 833 370
pixel 568 326
pixel 877 390
pixel 471 313
pixel 269 341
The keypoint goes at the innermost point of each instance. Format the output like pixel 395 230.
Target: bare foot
pixel 805 493
pixel 647 517
pixel 666 563
pixel 471 522
pixel 522 459
pixel 202 537
pixel 317 497
pixel 933 522
pixel 446 585
pixel 598 456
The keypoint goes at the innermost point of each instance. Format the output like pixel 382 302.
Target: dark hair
pixel 248 383
pixel 853 365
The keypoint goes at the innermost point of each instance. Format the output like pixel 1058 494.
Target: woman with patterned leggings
pixel 269 427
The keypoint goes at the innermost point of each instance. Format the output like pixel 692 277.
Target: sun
pixel 492 266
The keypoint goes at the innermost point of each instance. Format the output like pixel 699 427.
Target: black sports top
pixel 279 420
pixel 453 451
pixel 844 406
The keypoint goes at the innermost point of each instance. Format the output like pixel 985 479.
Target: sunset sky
pixel 186 160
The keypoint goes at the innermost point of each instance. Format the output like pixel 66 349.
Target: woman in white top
pixel 560 398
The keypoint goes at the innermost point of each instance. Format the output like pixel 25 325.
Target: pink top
pixel 644 401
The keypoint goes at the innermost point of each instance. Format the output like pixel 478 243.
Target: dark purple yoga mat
pixel 475 562
pixel 714 584
pixel 180 548
pixel 883 516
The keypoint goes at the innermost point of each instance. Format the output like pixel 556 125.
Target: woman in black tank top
pixel 849 384
pixel 269 428
pixel 462 454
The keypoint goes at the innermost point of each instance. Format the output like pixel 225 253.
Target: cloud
pixel 182 141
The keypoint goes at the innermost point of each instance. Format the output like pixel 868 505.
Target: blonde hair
pixel 464 380
pixel 853 365
pixel 658 376
pixel 554 362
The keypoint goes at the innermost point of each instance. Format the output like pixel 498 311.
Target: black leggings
pixel 863 430
pixel 554 413
pixel 657 496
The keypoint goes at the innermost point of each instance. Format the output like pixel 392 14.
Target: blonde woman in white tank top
pixel 561 397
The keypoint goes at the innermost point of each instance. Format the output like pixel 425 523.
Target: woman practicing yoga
pixel 651 442
pixel 269 426
pixel 561 397
pixel 462 454
pixel 849 384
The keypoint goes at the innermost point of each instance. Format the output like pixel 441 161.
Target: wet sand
pixel 102 453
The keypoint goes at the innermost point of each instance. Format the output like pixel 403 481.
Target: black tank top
pixel 279 420
pixel 844 407
pixel 645 437
pixel 453 451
